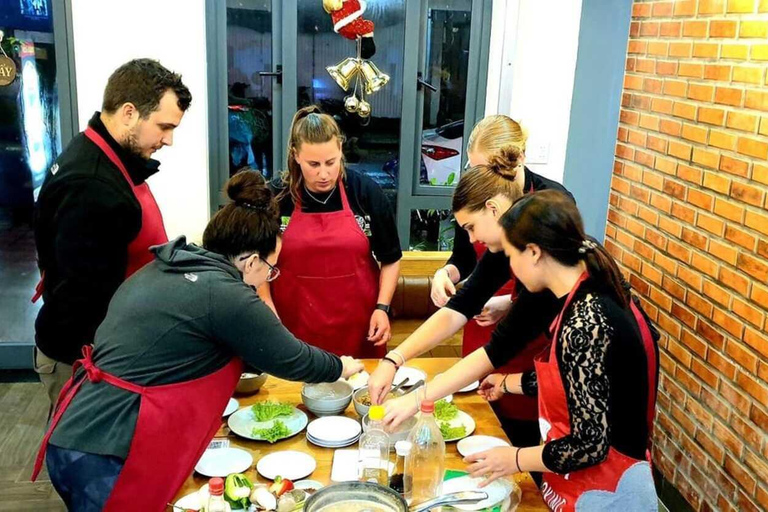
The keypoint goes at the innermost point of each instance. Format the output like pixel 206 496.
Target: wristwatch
pixel 383 307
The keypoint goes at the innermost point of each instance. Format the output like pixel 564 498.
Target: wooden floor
pixel 23 413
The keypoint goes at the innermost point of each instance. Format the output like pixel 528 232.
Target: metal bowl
pixel 360 407
pixel 250 383
pixel 340 394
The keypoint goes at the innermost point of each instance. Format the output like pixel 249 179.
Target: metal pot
pixel 374 496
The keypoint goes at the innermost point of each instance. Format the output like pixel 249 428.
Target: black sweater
pixel 181 317
pixel 85 217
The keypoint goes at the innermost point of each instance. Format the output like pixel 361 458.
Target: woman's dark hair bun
pixel 249 189
pixel 506 162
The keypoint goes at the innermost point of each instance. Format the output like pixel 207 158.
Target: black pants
pixel 522 433
pixel 83 480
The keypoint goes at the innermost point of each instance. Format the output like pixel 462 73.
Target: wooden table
pixel 284 391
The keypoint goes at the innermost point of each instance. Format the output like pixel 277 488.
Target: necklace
pixel 316 199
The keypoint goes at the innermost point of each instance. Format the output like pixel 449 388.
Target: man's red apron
pixel 152 227
pixel 619 482
pixel 175 424
pixel 329 282
pixel 517 407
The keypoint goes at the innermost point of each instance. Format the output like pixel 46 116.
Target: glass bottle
pixel 374 449
pixel 425 465
pixel 397 480
pixel 216 502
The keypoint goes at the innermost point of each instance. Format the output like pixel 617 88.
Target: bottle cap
pixel 403 448
pixel 428 406
pixel 216 486
pixel 376 412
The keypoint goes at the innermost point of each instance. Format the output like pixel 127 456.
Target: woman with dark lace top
pixel 596 384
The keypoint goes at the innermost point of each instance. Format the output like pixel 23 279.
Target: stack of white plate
pixel 334 431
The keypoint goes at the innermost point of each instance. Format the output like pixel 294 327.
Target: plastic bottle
pixel 374 449
pixel 216 502
pixel 397 480
pixel 425 466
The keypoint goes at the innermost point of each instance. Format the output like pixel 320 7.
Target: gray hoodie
pixel 181 317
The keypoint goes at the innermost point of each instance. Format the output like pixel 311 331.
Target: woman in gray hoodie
pixel 147 398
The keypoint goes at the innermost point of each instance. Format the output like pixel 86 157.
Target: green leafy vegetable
pixel 450 432
pixel 445 411
pixel 276 432
pixel 265 411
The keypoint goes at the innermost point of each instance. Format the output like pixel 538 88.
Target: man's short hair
pixel 143 82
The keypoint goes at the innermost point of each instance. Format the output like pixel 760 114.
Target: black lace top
pixel 604 371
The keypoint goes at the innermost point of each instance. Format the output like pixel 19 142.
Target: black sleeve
pixel 531 315
pixel 583 359
pixel 491 273
pixel 241 321
pixel 92 233
pixel 463 256
pixel 385 243
pixel 530 383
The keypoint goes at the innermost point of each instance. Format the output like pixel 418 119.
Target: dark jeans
pixel 523 433
pixel 83 480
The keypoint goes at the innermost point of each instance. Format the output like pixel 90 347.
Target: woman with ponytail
pixel 596 384
pixel 332 293
pixel 496 150
pixel 147 398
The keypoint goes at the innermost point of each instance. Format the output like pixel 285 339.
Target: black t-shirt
pixel 370 206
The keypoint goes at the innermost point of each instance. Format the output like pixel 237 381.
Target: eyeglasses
pixel 273 273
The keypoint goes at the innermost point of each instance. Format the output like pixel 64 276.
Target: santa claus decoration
pixel 348 21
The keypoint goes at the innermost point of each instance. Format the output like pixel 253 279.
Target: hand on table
pixel 379 332
pixel 398 410
pixel 492 464
pixel 493 311
pixel 442 288
pixel 491 387
pixel 350 366
pixel 380 381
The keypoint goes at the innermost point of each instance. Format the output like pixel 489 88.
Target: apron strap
pixel 67 394
pixel 650 354
pixel 107 149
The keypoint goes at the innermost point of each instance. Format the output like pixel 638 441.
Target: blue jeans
pixel 83 480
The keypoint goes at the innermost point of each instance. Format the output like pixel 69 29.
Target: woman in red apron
pixel 146 399
pixel 502 141
pixel 596 383
pixel 332 293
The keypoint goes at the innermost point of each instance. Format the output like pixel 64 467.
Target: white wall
pixel 110 33
pixel 533 53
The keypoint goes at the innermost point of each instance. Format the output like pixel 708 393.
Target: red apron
pixel 176 422
pixel 517 407
pixel 329 282
pixel 619 482
pixel 152 228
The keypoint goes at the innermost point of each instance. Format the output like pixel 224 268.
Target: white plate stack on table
pixel 288 464
pixel 334 432
pixel 223 461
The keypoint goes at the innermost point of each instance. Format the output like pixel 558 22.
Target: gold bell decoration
pixel 367 78
pixel 7 66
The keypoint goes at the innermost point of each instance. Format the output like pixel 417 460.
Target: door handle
pixel 422 83
pixel 277 73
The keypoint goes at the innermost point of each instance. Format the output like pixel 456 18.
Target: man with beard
pixel 96 218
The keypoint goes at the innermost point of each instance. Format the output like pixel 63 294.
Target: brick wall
pixel 688 222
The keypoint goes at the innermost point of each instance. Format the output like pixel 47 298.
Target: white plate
pixel 242 423
pixel 232 406
pixel 497 491
pixel 448 398
pixel 462 419
pixel 412 374
pixel 359 380
pixel 342 444
pixel 223 461
pixel 292 465
pixel 470 387
pixel 476 444
pixel 334 429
